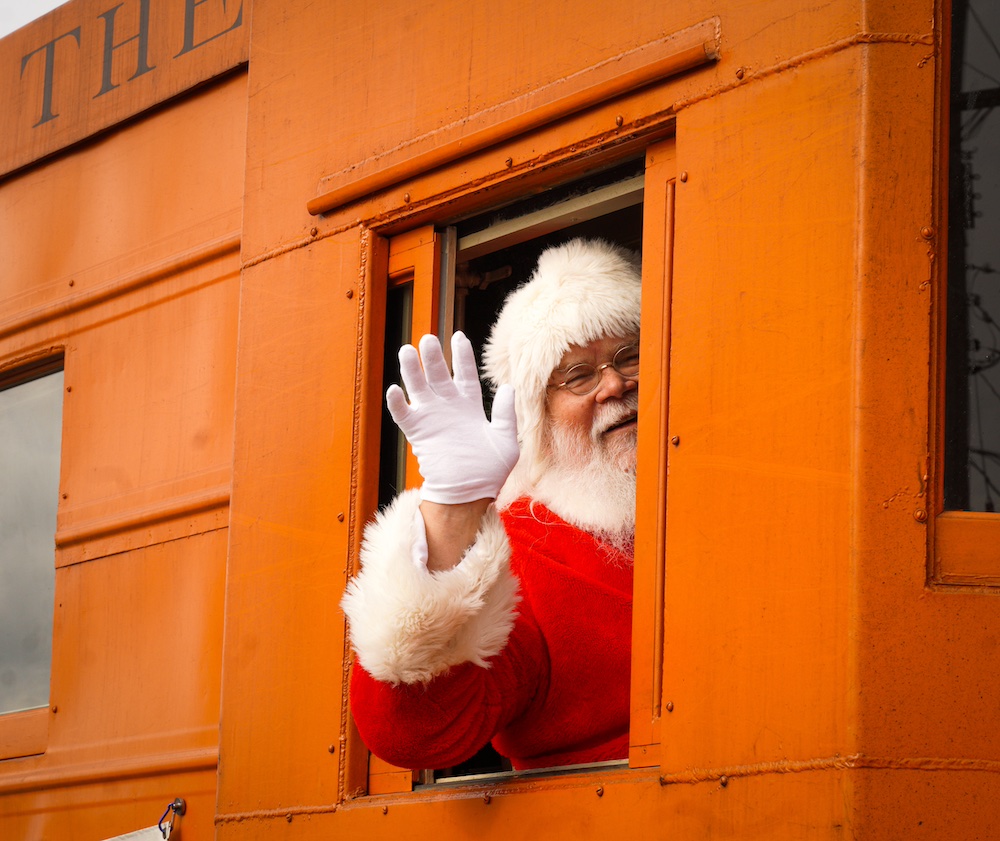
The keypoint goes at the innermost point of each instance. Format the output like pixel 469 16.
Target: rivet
pixel 288 818
pixel 69 388
pixel 406 197
pixel 920 515
pixel 600 791
pixel 683 176
pixel 65 496
pixel 509 163
pixel 72 283
pixel 723 781
pixel 927 232
pixel 385 810
pixel 676 440
pixel 313 232
pixel 350 293
pixel 332 749
pixel 340 517
pixel 740 72
pixel 487 799
pixel 619 121
pixel 670 706
pixel 55 709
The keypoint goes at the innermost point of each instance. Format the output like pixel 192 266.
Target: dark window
pixel 972 422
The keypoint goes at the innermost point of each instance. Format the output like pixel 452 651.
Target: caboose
pixel 221 218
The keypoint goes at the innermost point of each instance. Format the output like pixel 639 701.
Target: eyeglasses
pixel 582 379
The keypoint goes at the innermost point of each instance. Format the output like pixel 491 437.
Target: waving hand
pixel 462 455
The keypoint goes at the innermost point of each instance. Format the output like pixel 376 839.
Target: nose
pixel 613 384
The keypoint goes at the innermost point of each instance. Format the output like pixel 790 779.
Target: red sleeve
pixel 445 721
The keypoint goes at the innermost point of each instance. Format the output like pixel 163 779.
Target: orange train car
pixel 220 218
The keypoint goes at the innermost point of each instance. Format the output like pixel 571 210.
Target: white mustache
pixel 611 414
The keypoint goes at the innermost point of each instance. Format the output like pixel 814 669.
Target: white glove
pixel 463 456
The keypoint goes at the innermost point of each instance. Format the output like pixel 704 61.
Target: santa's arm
pixel 409 624
pixel 450 530
pixel 444 660
pixel 436 673
pixel 445 721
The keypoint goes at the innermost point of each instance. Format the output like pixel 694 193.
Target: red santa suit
pixel 554 691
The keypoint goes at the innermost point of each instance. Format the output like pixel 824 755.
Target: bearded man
pixel 495 603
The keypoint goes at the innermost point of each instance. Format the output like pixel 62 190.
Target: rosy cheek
pixel 567 414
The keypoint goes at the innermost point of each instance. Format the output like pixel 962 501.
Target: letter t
pixel 50 62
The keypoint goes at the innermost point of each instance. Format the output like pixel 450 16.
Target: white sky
pixel 16 13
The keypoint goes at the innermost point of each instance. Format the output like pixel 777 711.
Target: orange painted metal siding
pixel 124 255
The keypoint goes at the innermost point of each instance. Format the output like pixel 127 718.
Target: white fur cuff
pixel 408 624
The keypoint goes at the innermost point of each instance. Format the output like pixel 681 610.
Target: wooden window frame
pixel 967 549
pixel 415 257
pixel 24 733
pixel 964 545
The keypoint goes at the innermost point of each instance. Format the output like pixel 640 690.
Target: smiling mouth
pixel 628 420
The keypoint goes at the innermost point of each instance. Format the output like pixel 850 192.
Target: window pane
pixel 30 438
pixel 392 463
pixel 972 456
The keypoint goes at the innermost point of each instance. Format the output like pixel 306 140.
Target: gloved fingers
pixel 413 375
pixel 463 361
pixel 504 419
pixel 435 368
pixel 395 401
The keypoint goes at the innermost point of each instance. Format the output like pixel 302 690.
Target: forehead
pixel 599 350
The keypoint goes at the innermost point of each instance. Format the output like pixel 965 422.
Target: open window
pixel 30 446
pixel 455 277
pixel 967 529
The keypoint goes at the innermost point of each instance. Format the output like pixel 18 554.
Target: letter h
pixel 142 63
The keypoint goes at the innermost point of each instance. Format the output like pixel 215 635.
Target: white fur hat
pixel 580 291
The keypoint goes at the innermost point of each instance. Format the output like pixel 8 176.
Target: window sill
pixel 24 733
pixel 967 549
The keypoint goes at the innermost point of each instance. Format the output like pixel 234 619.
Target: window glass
pixel 30 438
pixel 392 474
pixel 972 454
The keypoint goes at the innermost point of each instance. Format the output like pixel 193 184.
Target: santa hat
pixel 580 291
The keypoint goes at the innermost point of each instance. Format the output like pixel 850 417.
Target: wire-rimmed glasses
pixel 583 378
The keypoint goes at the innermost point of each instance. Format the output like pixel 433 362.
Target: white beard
pixel 589 481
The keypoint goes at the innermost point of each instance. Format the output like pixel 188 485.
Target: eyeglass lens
pixel 583 378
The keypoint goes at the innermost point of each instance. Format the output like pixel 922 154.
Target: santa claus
pixel 494 603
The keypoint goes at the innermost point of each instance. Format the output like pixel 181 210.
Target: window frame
pixel 964 545
pixel 415 257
